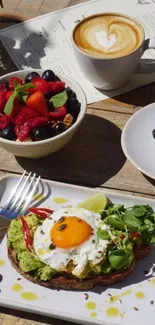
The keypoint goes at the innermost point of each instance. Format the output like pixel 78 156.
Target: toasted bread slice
pixel 64 281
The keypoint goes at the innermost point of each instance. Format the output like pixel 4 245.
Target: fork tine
pixel 17 197
pixel 21 201
pixel 30 197
pixel 14 191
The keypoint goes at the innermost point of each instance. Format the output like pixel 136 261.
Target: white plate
pixel 70 305
pixel 137 140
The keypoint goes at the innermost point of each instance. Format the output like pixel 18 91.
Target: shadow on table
pixel 92 157
pixel 149 179
pixel 142 96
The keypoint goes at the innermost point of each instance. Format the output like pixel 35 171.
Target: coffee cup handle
pixel 147 67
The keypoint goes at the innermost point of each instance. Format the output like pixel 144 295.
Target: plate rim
pixel 97 189
pixel 126 153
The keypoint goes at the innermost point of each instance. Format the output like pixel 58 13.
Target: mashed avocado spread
pixel 123 228
pixel 28 261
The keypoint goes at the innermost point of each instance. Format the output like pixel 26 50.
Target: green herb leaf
pixel 152 240
pixel 16 85
pixel 120 258
pixel 20 90
pixel 115 221
pixel 116 208
pixel 140 210
pixel 146 235
pixel 106 268
pixel 26 86
pixel 9 105
pixel 103 234
pixel 59 99
pixel 149 224
pixel 131 221
pixel 24 97
pixel 153 215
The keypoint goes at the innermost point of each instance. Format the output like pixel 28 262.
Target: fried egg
pixel 70 235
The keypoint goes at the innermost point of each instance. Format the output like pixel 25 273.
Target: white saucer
pixel 137 140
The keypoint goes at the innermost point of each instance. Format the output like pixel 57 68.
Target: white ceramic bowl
pixel 43 148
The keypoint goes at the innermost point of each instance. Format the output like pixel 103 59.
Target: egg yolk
pixel 69 232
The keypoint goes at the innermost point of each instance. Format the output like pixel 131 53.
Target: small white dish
pixel 46 147
pixel 138 142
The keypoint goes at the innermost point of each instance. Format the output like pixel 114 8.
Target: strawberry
pixel 56 86
pixel 22 131
pixel 37 102
pixel 2 100
pixel 8 94
pixel 5 120
pixel 17 106
pixel 59 113
pixel 25 114
pixel 41 85
pixel 36 122
pixel 16 80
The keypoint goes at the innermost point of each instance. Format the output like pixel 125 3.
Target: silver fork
pixel 21 197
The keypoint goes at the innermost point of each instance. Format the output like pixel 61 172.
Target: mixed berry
pixel 37 108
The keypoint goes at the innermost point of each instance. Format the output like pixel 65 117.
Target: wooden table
pixel 100 134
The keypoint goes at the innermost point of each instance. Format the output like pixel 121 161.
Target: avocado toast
pixel 124 233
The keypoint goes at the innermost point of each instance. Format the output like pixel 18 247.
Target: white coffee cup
pixel 105 72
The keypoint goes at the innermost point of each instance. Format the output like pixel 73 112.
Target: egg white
pixel 91 251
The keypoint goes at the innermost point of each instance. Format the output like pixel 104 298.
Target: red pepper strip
pixel 122 236
pixel 41 212
pixel 27 235
pixel 135 234
pixel 44 209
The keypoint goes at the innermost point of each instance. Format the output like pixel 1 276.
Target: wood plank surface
pixel 32 8
pixel 93 158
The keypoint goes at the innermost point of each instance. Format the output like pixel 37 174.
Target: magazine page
pixel 45 41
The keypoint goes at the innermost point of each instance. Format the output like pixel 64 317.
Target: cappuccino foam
pixel 108 36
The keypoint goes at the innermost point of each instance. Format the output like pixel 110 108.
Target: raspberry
pixel 25 114
pixel 56 86
pixel 36 122
pixel 5 120
pixel 2 100
pixel 2 87
pixel 8 94
pixel 59 113
pixel 41 85
pixel 16 80
pixel 22 131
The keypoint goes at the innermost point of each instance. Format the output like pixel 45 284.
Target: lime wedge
pixel 95 203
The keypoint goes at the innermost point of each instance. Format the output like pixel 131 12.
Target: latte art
pixel 108 36
pixel 105 40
